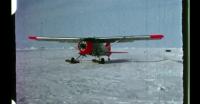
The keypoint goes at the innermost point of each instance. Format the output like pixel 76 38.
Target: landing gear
pixel 100 61
pixel 72 60
pixel 75 60
pixel 108 58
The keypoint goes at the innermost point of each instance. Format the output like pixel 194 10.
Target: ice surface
pixel 143 76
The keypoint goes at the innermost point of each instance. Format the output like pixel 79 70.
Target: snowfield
pixel 142 76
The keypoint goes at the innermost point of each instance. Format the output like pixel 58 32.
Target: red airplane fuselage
pixel 94 48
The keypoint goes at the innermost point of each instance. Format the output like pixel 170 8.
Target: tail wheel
pixel 102 61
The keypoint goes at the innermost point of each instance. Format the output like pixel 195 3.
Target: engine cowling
pixel 85 47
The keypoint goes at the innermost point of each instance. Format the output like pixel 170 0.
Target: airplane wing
pixel 115 39
pixel 130 38
pixel 56 39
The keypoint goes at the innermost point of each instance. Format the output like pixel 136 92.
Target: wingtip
pixel 156 36
pixel 32 37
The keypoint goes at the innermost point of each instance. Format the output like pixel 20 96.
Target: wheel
pixel 73 60
pixel 102 61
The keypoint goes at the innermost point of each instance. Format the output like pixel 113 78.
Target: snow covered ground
pixel 143 76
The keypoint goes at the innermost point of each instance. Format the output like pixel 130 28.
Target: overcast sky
pixel 99 18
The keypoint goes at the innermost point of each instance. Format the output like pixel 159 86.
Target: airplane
pixel 96 46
